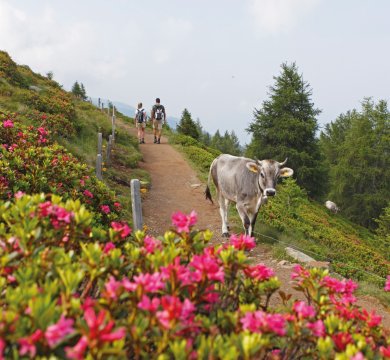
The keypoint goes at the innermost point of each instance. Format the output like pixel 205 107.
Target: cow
pixel 332 206
pixel 246 182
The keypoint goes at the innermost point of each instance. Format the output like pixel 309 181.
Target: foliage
pixel 70 290
pixel 31 163
pixel 357 147
pixel 226 144
pixel 383 230
pixel 187 126
pixel 285 127
pixel 78 90
pixel 9 70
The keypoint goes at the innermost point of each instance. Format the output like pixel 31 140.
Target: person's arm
pixel 165 116
pixel 152 113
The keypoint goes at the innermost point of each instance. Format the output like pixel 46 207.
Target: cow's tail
pixel 207 192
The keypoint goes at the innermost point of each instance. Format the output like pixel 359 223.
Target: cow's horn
pixel 283 163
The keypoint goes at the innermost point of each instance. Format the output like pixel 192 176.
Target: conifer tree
pixel 285 126
pixel 187 126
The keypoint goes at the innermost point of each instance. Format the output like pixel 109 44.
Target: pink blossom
pixel 151 244
pixel 8 124
pixel 317 327
pixel 371 319
pixel 27 344
pixel 112 287
pixel 337 286
pixel 148 282
pixel 385 351
pixel 77 352
pixel 358 356
pixel 341 340
pixel 56 333
pixel 259 272
pixel 2 347
pixel 105 209
pixel 88 194
pixel 303 310
pixel 117 205
pixel 299 271
pixel 242 242
pixel 178 271
pixel 207 267
pixel 387 285
pixel 174 310
pixel 19 194
pixel 108 247
pixel 262 322
pixel 122 228
pixel 183 222
pixel 147 304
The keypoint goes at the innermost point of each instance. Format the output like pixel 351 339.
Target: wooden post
pixel 100 142
pixel 99 166
pixel 109 145
pixel 113 127
pixel 136 204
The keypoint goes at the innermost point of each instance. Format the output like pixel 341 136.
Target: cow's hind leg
pixel 244 217
pixel 252 219
pixel 223 209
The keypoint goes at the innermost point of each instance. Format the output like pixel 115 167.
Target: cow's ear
pixel 286 172
pixel 253 167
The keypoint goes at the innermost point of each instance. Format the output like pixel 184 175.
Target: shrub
pixel 70 290
pixel 9 70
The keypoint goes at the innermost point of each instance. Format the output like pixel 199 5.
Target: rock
pixel 297 255
pixel 283 263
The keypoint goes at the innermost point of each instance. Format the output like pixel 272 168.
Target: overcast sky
pixel 217 58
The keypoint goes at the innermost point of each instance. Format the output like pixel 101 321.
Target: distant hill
pixel 129 110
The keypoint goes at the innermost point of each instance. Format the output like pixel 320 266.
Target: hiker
pixel 140 123
pixel 158 118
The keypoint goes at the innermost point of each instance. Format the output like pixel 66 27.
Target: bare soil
pixel 175 187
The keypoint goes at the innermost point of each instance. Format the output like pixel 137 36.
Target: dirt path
pixel 175 187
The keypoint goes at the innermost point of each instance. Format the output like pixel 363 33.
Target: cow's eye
pixel 262 175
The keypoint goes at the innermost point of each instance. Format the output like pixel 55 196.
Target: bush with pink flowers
pixel 70 290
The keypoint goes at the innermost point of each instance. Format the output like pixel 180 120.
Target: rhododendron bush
pixel 70 290
pixel 31 163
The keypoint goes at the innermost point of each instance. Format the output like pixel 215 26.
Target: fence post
pixel 100 142
pixel 113 127
pixel 136 204
pixel 109 145
pixel 99 166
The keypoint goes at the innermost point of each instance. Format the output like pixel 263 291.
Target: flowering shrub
pixel 70 290
pixel 58 124
pixel 31 163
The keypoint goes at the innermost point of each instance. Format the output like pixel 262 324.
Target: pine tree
pixel 187 126
pixel 76 90
pixel 285 126
pixel 357 148
pixel 83 93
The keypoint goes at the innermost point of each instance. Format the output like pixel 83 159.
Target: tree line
pixel 347 162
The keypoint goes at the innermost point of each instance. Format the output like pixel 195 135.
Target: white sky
pixel 216 58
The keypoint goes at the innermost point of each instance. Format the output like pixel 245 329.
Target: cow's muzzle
pixel 269 192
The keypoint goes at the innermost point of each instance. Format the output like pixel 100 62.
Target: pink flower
pixel 259 272
pixel 242 242
pixel 112 287
pixel 179 272
pixel 122 228
pixel 147 304
pixel 387 285
pixel 19 194
pixel 303 310
pixel 385 351
pixel 27 344
pixel 151 244
pixel 88 194
pixel 55 333
pixel 371 319
pixel 358 356
pixel 317 327
pixel 148 282
pixel 8 124
pixel 117 205
pixel 108 247
pixel 184 222
pixel 105 209
pixel 341 340
pixel 299 271
pixel 207 267
pixel 174 310
pixel 2 347
pixel 262 322
pixel 77 351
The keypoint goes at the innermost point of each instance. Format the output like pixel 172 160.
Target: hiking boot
pixel 143 141
pixel 158 141
pixel 140 141
pixel 155 140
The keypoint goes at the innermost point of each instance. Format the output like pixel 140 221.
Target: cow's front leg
pixel 223 210
pixel 252 219
pixel 244 217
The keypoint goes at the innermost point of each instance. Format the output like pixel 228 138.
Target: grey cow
pixel 246 182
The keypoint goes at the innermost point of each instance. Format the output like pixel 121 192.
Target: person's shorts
pixel 140 125
pixel 157 124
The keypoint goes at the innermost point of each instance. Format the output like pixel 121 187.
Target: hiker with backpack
pixel 140 123
pixel 158 118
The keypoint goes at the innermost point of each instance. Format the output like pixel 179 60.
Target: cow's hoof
pixel 226 234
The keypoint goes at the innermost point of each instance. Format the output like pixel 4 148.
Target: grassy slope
pixel 292 219
pixel 19 84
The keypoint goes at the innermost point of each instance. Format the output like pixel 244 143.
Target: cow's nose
pixel 270 192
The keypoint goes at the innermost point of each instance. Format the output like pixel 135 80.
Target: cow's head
pixel 268 173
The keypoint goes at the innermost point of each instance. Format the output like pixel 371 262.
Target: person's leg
pixel 155 125
pixel 143 133
pixel 159 131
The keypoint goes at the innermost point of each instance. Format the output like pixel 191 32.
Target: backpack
pixel 140 116
pixel 158 114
